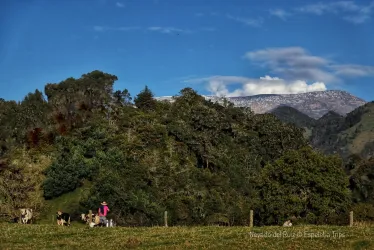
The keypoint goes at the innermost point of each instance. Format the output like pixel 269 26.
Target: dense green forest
pixel 203 162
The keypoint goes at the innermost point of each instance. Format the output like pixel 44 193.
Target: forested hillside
pixel 293 116
pixel 203 162
pixel 352 134
pixel 335 133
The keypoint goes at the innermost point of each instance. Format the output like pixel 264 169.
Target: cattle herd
pixel 93 220
pixel 63 219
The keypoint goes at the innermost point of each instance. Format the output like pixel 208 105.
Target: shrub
pixel 363 212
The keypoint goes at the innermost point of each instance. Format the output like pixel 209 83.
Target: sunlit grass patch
pixel 15 236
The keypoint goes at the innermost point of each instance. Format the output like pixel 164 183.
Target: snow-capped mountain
pixel 313 104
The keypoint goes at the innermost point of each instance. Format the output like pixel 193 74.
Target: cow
pixel 86 218
pixel 95 221
pixel 63 219
pixel 26 215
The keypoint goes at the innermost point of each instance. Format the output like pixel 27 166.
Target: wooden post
pixel 251 218
pixel 53 221
pixel 166 218
pixel 90 216
pixel 351 218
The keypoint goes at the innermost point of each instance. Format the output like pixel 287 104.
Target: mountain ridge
pixel 314 104
pixel 292 115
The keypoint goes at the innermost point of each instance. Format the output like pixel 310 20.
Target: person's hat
pixel 104 203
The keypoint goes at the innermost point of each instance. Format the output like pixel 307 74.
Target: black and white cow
pixel 63 219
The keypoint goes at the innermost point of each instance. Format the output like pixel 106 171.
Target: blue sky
pixel 223 47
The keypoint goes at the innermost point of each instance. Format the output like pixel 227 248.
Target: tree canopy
pixel 203 162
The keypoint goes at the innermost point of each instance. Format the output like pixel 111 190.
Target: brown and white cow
pixel 26 215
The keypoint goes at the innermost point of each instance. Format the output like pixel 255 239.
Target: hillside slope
pixel 293 116
pixel 352 134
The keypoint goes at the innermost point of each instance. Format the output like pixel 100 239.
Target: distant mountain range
pixel 334 121
pixel 313 104
pixel 335 133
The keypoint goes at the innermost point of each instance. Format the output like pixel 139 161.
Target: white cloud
pixel 247 21
pixel 168 30
pixel 289 56
pixel 334 7
pixel 348 10
pixel 172 30
pixel 293 63
pixel 299 72
pixel 106 28
pixel 164 30
pixel 218 85
pixel 317 9
pixel 353 70
pixel 232 79
pixel 357 19
pixel 282 14
pixel 120 5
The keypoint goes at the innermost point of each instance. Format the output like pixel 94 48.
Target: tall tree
pixel 144 100
pixel 306 184
pixel 74 100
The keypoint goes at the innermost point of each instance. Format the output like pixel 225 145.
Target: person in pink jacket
pixel 103 211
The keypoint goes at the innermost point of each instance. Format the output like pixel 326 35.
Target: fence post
pixel 90 216
pixel 166 218
pixel 53 219
pixel 251 218
pixel 351 218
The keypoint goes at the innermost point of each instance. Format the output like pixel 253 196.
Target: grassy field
pixel 15 236
pixel 68 203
